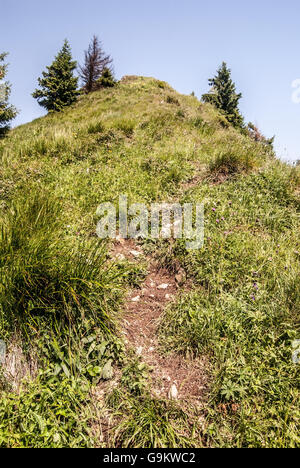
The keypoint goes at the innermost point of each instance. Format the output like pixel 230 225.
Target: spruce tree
pixel 107 79
pixel 7 111
pixel 58 86
pixel 223 95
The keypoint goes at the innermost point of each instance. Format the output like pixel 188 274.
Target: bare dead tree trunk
pixel 95 61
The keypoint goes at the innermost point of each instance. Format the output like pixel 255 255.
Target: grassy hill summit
pixel 122 343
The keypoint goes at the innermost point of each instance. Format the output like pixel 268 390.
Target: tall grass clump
pixel 237 154
pixel 58 298
pixel 145 422
pixel 45 278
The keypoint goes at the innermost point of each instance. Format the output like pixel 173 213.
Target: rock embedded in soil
pixel 135 253
pixel 135 299
pixel 163 286
pixel 173 393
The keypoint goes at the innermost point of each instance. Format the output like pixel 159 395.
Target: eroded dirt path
pixel 172 376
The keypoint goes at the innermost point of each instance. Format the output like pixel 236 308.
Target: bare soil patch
pixel 172 376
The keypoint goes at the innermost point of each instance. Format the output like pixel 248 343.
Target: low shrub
pixel 230 163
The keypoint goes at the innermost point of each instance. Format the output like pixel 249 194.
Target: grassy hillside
pixel 62 293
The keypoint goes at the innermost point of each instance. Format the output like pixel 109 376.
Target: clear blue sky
pixel 182 42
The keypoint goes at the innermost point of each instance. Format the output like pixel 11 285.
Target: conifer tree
pixel 107 79
pixel 96 61
pixel 223 95
pixel 58 86
pixel 7 111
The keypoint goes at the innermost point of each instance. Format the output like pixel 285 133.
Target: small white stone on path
pixel 163 286
pixel 173 393
pixel 135 299
pixel 139 350
pixel 135 253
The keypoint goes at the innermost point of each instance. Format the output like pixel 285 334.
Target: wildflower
pixel 217 220
pixel 255 285
pixel 253 298
pixel 214 209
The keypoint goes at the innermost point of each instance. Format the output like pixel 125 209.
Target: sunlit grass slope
pixel 61 294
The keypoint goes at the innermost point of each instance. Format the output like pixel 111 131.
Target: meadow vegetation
pixel 62 293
